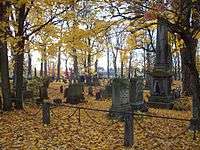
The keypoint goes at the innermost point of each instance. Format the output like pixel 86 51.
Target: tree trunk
pixel 41 68
pixel 144 62
pixel 76 73
pixel 53 71
pixel 96 66
pixel 175 67
pixel 19 58
pixel 66 69
pixel 45 68
pixel 89 64
pixel 186 90
pixel 35 72
pixel 179 67
pixel 4 70
pixel 115 65
pixel 122 69
pixel 29 66
pixel 108 64
pixel 59 64
pixel 5 85
pixel 189 55
pixel 130 65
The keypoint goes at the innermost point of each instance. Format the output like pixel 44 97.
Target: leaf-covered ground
pixel 22 130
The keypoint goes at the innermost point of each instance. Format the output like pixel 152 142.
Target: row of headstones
pixel 122 91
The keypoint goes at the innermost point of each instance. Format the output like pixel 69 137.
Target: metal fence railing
pixel 130 119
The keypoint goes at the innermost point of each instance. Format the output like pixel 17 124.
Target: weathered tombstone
pixel 90 91
pixel 98 95
pixel 65 92
pixel 162 73
pixel 28 94
pixel 120 97
pixel 82 79
pixel 43 92
pixel 88 80
pixel 75 93
pixel 44 88
pixel 96 80
pixel 136 94
pixel 107 92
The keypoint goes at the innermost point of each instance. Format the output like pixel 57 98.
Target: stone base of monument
pixel 161 102
pixel 117 111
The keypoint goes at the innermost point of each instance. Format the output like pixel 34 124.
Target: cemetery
pixel 106 75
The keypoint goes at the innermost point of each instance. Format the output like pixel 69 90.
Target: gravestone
pixel 107 92
pixel 162 73
pixel 27 95
pixel 90 91
pixel 98 95
pixel 136 94
pixel 120 97
pixel 75 93
pixel 43 92
pixel 96 80
pixel 82 78
pixel 65 92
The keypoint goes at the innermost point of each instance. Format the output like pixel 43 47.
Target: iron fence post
pixel 46 113
pixel 128 130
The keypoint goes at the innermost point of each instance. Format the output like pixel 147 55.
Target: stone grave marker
pixel 120 97
pixel 75 93
pixel 107 92
pixel 90 91
pixel 136 94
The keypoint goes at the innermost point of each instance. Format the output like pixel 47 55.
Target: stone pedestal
pixel 120 97
pixel 107 92
pixel 161 96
